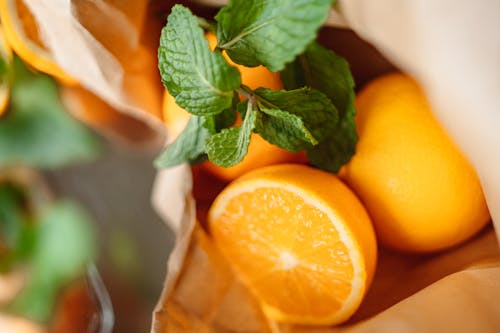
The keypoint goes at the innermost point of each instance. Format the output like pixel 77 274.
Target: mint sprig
pixel 270 33
pixel 201 81
pixel 315 114
pixel 326 71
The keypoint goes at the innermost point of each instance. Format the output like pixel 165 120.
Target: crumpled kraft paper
pixel 456 290
pixel 110 47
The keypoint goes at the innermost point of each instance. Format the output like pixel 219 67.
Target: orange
pixel 299 239
pixel 421 192
pixel 5 60
pixel 260 152
pixel 21 32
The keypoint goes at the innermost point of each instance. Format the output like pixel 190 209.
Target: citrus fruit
pixel 299 239
pixel 421 192
pixel 21 33
pixel 5 60
pixel 260 152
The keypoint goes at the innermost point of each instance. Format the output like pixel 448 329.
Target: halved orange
pixel 5 60
pixel 299 239
pixel 21 33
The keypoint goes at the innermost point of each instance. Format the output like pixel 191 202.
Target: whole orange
pixel 421 192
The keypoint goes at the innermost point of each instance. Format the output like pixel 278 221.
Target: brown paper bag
pixel 110 47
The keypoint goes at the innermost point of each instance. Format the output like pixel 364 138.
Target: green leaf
pixel 65 244
pixel 3 70
pixel 269 32
pixel 296 119
pixel 16 226
pixel 12 215
pixel 230 146
pixel 324 70
pixel 189 145
pixel 222 120
pixel 13 226
pixel 201 81
pixel 284 129
pixel 37 131
pixel 338 147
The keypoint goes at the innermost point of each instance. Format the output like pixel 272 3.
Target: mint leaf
pixel 271 32
pixel 37 131
pixel 224 119
pixel 201 81
pixel 65 244
pixel 296 119
pixel 189 145
pixel 324 70
pixel 230 146
pixel 338 148
pixel 284 129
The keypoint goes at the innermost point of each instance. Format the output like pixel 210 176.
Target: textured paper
pixel 105 46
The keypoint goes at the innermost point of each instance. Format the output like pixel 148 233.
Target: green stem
pixel 248 93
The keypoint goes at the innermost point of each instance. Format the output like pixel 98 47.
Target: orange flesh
pixel 292 264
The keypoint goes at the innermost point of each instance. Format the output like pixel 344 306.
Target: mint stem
pixel 248 93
